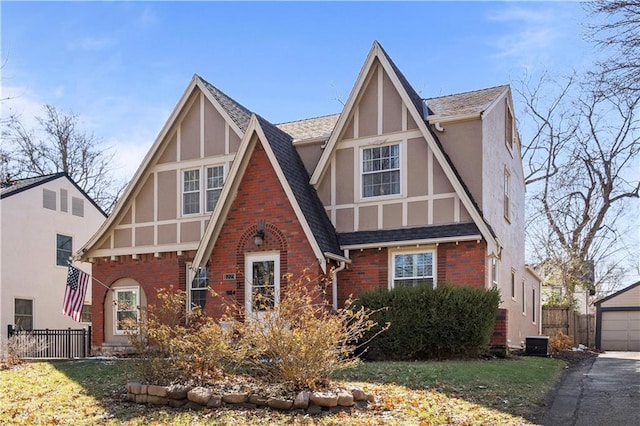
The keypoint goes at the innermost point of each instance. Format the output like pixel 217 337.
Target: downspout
pixel 334 281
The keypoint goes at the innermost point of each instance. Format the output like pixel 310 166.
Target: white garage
pixel 618 320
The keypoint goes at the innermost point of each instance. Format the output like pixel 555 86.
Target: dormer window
pixel 381 171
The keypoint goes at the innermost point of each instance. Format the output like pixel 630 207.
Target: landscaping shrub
pixel 176 345
pixel 301 342
pixel 15 348
pixel 431 323
pixel 559 343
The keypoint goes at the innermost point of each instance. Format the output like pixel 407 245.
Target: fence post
pixel 69 343
pixel 89 341
pixel 9 330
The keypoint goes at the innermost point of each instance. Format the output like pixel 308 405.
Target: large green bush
pixel 431 323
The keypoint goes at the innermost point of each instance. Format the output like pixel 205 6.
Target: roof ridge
pixel 466 92
pixel 241 116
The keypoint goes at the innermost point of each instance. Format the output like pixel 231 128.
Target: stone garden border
pixel 181 396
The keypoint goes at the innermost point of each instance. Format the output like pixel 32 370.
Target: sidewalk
pixel 601 391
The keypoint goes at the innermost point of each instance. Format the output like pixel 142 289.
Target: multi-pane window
pixel 412 269
pixel 23 314
pixel 381 171
pixel 126 303
pixel 215 180
pixel 199 288
pixel 191 191
pixel 64 249
pixel 507 194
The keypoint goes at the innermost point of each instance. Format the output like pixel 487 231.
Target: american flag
pixel 77 282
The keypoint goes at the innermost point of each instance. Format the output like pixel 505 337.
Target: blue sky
pixel 122 66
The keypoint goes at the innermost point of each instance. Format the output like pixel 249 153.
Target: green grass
pixel 91 392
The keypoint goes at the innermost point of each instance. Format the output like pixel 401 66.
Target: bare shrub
pixel 180 345
pixel 301 342
pixel 20 346
pixel 559 343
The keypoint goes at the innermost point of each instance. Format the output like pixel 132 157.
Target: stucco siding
pixel 418 171
pixel 145 202
pixel 368 107
pixel 190 132
pixel 167 196
pixel 214 131
pixel 344 176
pixel 392 107
pixel 28 246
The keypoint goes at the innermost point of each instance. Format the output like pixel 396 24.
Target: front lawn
pixel 449 392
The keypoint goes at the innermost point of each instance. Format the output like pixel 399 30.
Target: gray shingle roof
pixel 298 180
pixel 17 186
pixel 465 103
pixel 408 234
pixel 310 128
pixel 238 113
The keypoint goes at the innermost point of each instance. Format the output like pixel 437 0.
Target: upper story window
pixel 64 249
pixel 381 171
pixel 191 191
pixel 49 199
pixel 201 186
pixel 413 268
pixel 77 206
pixel 215 180
pixel 507 195
pixel 509 127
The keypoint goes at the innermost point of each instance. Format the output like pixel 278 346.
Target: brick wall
pixel 150 272
pixel 499 337
pixel 463 263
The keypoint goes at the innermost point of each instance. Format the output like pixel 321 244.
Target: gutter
pixel 343 261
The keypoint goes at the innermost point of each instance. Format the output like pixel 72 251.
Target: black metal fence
pixel 69 343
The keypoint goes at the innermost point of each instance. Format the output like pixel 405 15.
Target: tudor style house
pixel 395 190
pixel 44 220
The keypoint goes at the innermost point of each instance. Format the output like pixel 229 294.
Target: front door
pixel 262 283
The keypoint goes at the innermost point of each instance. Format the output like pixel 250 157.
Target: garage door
pixel 621 330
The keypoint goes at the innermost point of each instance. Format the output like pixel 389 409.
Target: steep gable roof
pixel 310 128
pixel 21 185
pixel 294 180
pixel 415 109
pixel 467 103
pixel 617 293
pixel 236 114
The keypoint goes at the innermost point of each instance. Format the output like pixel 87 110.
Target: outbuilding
pixel 618 320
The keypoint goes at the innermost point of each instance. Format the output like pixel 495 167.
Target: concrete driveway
pixel 603 391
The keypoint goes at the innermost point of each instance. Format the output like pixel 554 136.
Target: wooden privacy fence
pixel 580 327
pixel 66 343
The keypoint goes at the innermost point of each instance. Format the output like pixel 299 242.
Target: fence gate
pixel 580 327
pixel 67 343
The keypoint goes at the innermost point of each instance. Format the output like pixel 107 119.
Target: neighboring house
pixel 394 190
pixel 44 220
pixel 618 320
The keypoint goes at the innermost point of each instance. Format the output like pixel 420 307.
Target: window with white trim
pixel 413 268
pixel 380 171
pixel 64 249
pixel 191 191
pixel 198 288
pixel 215 180
pixel 507 194
pixel 126 305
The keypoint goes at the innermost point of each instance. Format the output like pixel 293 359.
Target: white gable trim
pixel 156 149
pixel 376 52
pixel 238 168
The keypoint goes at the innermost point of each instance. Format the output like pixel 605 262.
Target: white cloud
pixel 91 43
